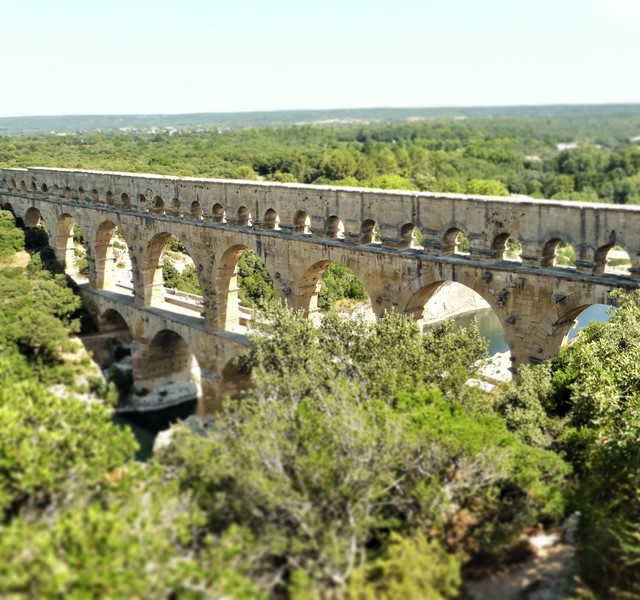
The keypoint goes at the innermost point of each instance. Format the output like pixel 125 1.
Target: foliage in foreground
pixel 345 449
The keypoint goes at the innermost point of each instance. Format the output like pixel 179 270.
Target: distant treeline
pixel 575 153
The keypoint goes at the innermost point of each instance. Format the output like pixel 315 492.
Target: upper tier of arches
pixel 492 230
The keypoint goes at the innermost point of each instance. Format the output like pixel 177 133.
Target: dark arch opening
pixel 23 186
pixel 7 206
pixel 196 210
pixel 125 203
pixel 142 202
pixel 34 187
pixel 158 205
pixel 243 217
pixel 67 193
pixel 175 208
pixel 369 232
pixel 33 218
pixel 329 285
pixel 410 236
pixel 112 260
pixel 110 200
pixel 302 223
pixel 95 197
pixel 271 220
pixel 82 195
pixel 170 364
pixel 218 214
pixel 244 284
pixel 44 189
pixel 334 228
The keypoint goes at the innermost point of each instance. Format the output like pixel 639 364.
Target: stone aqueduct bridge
pixel 298 231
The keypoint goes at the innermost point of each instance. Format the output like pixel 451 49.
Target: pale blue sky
pixel 179 56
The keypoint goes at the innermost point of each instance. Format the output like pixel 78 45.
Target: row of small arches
pixel 454 241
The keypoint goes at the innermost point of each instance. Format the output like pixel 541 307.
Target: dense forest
pixel 360 464
pixel 342 472
pixel 590 157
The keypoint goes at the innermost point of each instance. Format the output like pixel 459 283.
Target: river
pixel 491 330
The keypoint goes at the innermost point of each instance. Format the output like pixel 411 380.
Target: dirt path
pixel 546 576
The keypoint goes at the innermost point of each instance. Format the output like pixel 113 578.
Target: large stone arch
pixel 63 243
pixel 104 276
pixel 422 289
pixel 167 357
pixel 308 285
pixel 228 315
pixel 152 279
pixel 551 332
pixel 33 218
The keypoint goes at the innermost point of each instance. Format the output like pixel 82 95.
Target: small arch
pixel 67 193
pixel 158 205
pixel 243 217
pixel 44 189
pixel 34 187
pixel 125 203
pixel 218 214
pixel 369 232
pixel 23 186
pixel 196 210
pixel 56 191
pixel 4 183
pixel 81 194
pixel 13 184
pixel 95 197
pixel 175 208
pixel 455 241
pixel 612 259
pixel 558 253
pixel 334 228
pixel 506 247
pixel 302 223
pixel 110 200
pixel 271 220
pixel 410 236
pixel 33 218
pixel 142 202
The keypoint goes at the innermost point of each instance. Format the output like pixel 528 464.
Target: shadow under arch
pixel 167 359
pixel 231 316
pixel 33 218
pixel 112 260
pixel 307 294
